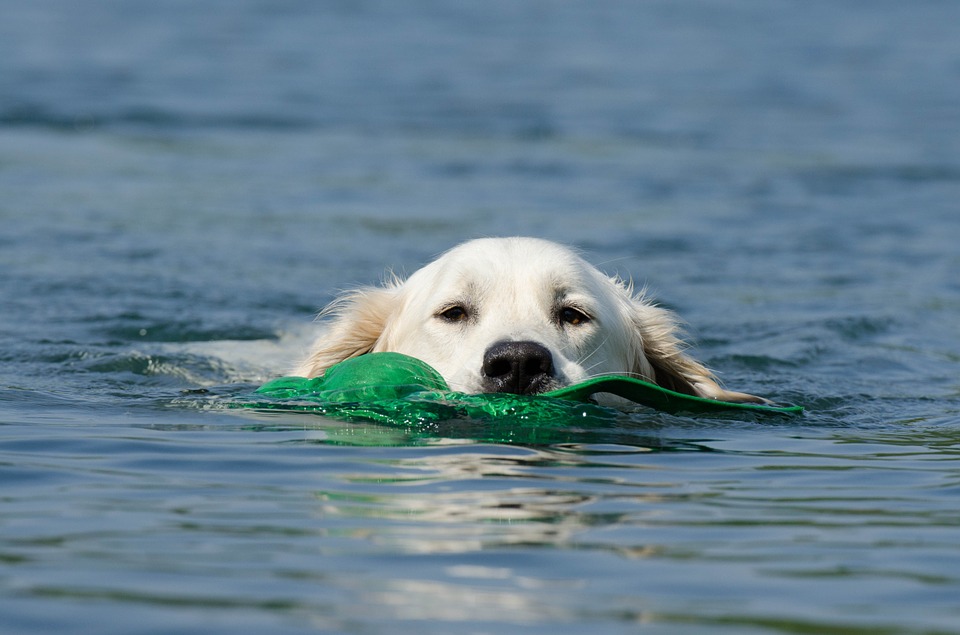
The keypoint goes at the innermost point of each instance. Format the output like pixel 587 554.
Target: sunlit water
pixel 184 184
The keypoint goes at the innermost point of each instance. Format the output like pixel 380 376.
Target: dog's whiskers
pixel 583 360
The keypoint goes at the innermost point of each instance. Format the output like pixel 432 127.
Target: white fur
pixel 513 289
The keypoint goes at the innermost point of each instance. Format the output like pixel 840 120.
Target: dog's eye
pixel 572 316
pixel 454 314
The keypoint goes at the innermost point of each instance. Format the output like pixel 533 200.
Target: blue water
pixel 184 184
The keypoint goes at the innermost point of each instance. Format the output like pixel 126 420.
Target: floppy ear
pixel 661 352
pixel 357 320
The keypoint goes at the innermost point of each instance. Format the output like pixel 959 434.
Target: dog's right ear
pixel 356 320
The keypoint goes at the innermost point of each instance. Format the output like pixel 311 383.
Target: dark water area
pixel 184 184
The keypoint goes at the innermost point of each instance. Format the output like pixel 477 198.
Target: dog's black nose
pixel 522 368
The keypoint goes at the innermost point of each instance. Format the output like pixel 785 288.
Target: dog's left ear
pixel 661 353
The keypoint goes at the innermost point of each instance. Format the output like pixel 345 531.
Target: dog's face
pixel 515 315
pixel 520 316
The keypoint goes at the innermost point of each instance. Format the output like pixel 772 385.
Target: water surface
pixel 184 184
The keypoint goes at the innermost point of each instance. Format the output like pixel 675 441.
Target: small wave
pixel 839 179
pixel 35 116
pixel 187 331
pixel 191 369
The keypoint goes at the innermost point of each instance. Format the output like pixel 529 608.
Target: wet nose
pixel 522 368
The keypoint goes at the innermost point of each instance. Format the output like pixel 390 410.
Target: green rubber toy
pixel 392 388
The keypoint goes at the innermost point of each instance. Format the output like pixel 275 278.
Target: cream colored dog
pixel 517 315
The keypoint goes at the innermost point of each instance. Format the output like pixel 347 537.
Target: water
pixel 185 183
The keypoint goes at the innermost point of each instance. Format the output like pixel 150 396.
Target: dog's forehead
pixel 496 265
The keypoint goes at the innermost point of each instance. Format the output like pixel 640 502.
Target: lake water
pixel 184 184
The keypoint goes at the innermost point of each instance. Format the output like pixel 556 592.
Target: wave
pixel 35 116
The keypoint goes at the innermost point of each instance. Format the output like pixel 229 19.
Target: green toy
pixel 395 389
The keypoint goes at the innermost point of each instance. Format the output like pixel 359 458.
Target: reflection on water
pixel 480 528
pixel 277 520
pixel 466 501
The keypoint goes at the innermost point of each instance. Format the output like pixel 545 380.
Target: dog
pixel 514 315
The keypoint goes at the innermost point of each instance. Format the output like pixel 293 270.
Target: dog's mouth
pixel 519 368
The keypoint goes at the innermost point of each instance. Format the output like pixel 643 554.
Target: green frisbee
pixel 392 388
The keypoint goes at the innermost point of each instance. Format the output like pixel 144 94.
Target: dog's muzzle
pixel 522 368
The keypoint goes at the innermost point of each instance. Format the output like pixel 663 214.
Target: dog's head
pixel 516 315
